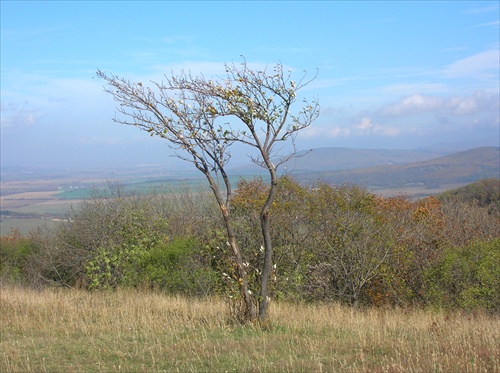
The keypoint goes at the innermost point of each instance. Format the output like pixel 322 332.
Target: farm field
pixel 26 204
pixel 36 202
pixel 29 210
pixel 42 207
pixel 75 330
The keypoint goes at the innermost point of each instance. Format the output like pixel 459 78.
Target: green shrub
pixel 467 277
pixel 15 250
pixel 115 266
pixel 177 267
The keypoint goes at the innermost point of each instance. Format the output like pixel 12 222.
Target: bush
pixel 289 232
pixel 121 239
pixel 105 239
pixel 179 266
pixel 467 277
pixel 330 244
pixel 352 242
pixel 15 251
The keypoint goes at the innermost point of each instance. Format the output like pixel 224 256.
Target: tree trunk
pixel 250 310
pixel 268 247
pixel 247 297
pixel 268 263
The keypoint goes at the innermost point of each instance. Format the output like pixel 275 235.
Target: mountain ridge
pixel 461 167
pixel 341 158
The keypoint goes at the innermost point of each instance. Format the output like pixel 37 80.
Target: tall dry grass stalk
pixel 131 331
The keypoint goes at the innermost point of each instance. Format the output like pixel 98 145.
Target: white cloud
pixel 333 111
pixel 17 115
pixel 367 126
pixel 467 105
pixel 325 131
pixel 311 132
pixel 482 10
pixel 416 104
pixel 479 65
pixel 388 131
pixel 339 132
pixel 412 116
pixel 488 24
pixel 364 124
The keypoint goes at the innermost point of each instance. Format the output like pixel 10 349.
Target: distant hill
pixel 333 159
pixel 484 192
pixel 459 146
pixel 462 167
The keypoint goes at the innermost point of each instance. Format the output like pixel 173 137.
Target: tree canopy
pixel 202 118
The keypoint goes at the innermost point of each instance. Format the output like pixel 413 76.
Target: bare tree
pixel 194 115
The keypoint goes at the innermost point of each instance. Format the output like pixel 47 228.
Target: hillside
pixel 463 167
pixel 484 192
pixel 333 159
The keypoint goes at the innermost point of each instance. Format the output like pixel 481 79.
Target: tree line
pixel 331 244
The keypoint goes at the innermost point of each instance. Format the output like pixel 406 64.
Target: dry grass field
pixel 129 331
pixel 14 201
pixel 42 205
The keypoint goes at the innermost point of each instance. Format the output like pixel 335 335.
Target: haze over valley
pixel 32 196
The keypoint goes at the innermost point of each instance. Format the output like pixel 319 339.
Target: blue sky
pixel 391 74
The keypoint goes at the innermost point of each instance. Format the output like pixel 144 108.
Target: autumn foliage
pixel 331 244
pixel 346 244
